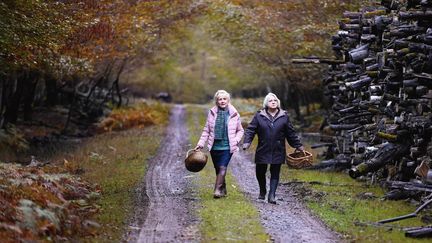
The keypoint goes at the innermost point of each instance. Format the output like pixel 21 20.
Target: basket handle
pixel 303 151
pixel 187 153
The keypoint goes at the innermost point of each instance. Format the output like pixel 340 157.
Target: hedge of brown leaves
pixel 139 115
pixel 35 205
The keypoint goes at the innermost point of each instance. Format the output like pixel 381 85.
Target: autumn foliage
pixel 139 115
pixel 269 34
pixel 53 52
pixel 35 205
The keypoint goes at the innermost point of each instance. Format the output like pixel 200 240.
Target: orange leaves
pixel 96 31
pixel 138 116
pixel 115 25
pixel 30 31
pixel 38 34
pixel 35 205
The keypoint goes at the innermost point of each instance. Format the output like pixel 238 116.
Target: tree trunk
pixel 71 107
pixel 286 93
pixel 294 93
pixel 13 103
pixel 29 94
pixel 2 98
pixel 116 83
pixel 307 103
pixel 103 78
pixel 51 90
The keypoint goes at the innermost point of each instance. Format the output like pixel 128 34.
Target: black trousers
pixel 261 170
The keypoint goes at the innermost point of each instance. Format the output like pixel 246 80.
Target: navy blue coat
pixel 271 137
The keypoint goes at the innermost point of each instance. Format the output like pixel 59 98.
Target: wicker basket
pixel 299 159
pixel 195 160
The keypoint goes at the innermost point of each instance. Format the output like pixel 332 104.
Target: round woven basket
pixel 299 159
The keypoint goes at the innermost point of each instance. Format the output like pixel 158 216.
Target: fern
pixel 12 138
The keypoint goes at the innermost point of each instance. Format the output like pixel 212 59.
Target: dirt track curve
pixel 289 220
pixel 168 215
pixel 166 199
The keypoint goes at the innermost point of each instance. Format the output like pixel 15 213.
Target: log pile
pixel 380 90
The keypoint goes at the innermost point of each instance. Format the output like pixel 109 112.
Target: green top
pixel 221 141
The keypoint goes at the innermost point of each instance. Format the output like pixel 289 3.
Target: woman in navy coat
pixel 272 126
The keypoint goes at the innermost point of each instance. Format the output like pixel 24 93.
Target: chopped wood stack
pixel 380 89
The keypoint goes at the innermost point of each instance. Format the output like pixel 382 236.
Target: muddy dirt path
pixel 166 198
pixel 165 210
pixel 289 221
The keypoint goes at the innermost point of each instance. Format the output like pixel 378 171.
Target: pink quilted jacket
pixel 235 129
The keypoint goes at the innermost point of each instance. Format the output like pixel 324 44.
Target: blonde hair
pixel 219 93
pixel 268 96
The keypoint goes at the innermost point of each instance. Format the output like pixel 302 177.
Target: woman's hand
pixel 246 146
pixel 198 147
pixel 299 149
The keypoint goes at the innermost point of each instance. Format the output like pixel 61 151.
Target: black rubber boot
pixel 272 193
pixel 262 194
pixel 223 170
pixel 261 178
pixel 262 185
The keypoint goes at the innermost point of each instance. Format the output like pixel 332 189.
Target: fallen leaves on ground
pixel 35 205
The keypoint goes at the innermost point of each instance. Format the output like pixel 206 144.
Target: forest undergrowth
pixel 81 188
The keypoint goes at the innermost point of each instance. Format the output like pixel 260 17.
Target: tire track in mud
pixel 289 221
pixel 169 214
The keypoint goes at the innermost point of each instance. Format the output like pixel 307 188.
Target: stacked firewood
pixel 380 91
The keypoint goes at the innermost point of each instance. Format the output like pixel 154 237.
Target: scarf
pixel 221 124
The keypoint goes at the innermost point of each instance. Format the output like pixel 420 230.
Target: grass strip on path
pixel 349 206
pixel 117 162
pixel 232 218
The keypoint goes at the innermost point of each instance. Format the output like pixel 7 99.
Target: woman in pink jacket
pixel 222 132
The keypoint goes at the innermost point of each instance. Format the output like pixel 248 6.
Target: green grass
pixel 117 162
pixel 338 202
pixel 118 173
pixel 232 218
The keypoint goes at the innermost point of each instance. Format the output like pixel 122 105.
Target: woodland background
pixel 69 68
pixel 82 55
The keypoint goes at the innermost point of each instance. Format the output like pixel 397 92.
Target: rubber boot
pixel 222 171
pixel 262 185
pixel 262 194
pixel 272 193
pixel 224 190
pixel 220 180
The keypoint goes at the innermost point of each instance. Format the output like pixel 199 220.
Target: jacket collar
pixel 231 109
pixel 264 113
